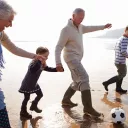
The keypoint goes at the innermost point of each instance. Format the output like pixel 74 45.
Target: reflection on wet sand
pixel 111 125
pixel 117 102
pixel 34 122
pixel 57 117
pixel 82 121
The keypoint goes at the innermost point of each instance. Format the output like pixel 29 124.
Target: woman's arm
pixel 6 42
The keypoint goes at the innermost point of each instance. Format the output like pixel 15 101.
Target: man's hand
pixel 108 26
pixel 59 68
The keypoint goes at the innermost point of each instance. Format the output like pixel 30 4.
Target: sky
pixel 43 19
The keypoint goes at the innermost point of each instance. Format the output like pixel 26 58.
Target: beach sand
pixel 98 61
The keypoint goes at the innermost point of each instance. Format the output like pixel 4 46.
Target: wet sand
pixel 99 63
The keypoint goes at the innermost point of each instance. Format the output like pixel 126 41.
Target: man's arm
pixel 86 29
pixel 60 45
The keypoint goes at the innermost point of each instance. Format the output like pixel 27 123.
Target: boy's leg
pixel 110 81
pixel 24 112
pixel 35 102
pixel 4 120
pixel 122 71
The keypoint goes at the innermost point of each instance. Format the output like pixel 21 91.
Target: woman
pixel 6 17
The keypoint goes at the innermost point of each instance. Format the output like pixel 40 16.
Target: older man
pixel 6 17
pixel 72 42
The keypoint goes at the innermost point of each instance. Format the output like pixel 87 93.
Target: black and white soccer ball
pixel 118 115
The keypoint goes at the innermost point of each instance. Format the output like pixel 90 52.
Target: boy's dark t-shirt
pixel 29 83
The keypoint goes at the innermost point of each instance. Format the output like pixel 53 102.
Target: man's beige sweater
pixel 71 39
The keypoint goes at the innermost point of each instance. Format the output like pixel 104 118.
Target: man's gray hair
pixel 6 10
pixel 78 10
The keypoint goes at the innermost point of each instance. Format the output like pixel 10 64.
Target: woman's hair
pixel 41 50
pixel 6 10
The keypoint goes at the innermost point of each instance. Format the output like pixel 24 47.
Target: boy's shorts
pixel 122 70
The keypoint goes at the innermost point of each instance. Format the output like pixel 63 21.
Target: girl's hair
pixel 41 50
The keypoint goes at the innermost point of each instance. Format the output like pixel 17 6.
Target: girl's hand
pixel 44 64
pixel 39 57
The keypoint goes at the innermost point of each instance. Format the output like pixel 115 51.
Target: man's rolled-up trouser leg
pixel 81 82
pixel 79 76
pixel 122 70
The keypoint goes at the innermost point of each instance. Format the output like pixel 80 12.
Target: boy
pixel 120 62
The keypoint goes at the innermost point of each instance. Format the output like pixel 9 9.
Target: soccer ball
pixel 118 115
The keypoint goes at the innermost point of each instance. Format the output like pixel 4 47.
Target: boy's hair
pixel 41 50
pixel 126 28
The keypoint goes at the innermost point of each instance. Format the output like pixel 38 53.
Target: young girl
pixel 29 84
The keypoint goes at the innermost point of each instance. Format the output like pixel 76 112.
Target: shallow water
pixel 98 61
